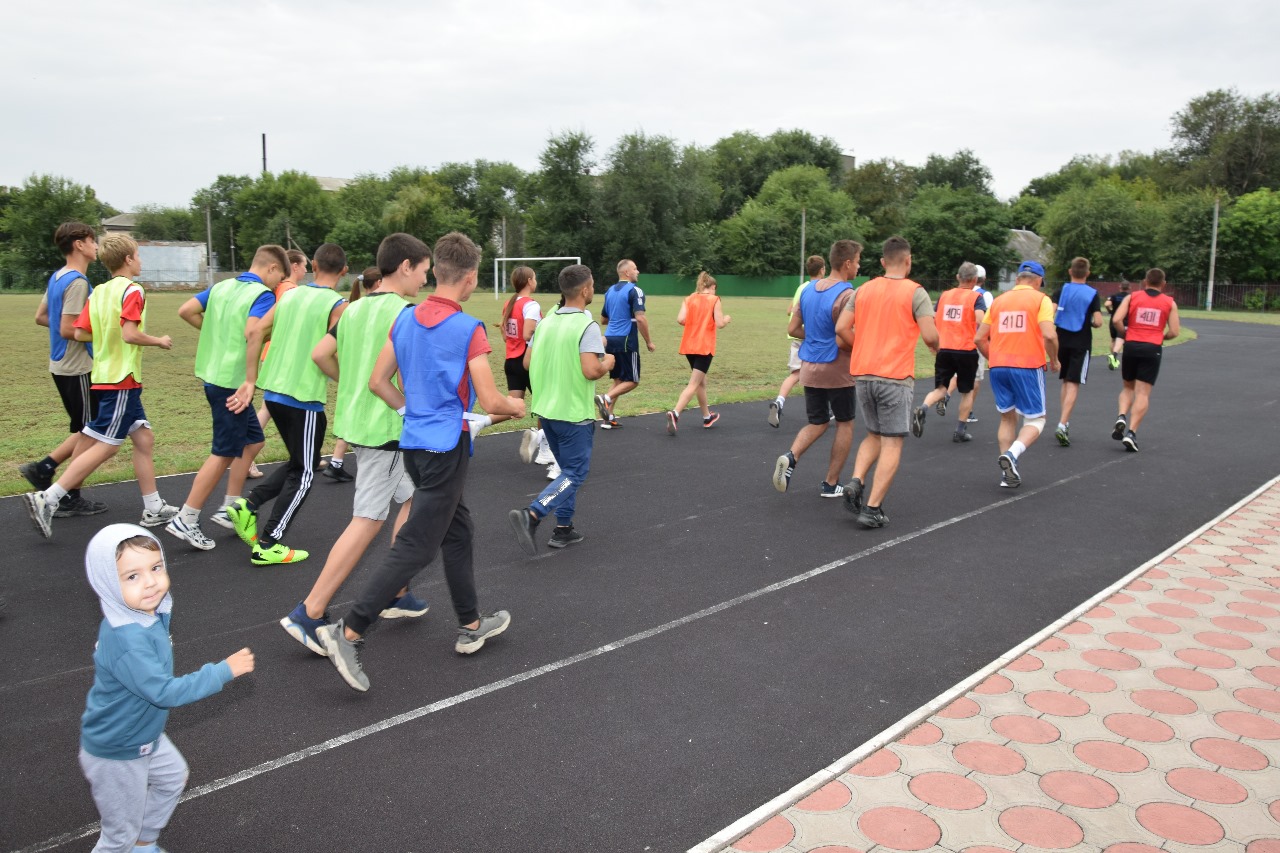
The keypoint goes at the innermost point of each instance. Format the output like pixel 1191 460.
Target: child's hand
pixel 165 342
pixel 241 662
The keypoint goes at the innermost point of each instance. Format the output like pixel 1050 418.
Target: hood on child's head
pixel 104 577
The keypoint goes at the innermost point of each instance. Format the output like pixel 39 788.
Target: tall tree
pixel 1228 140
pixel 34 212
pixel 1111 223
pixel 962 170
pixel 284 207
pixel 881 191
pixel 1249 241
pixel 167 223
pixel 565 199
pixel 948 226
pixel 1184 234
pixel 426 209
pixel 743 161
pixel 219 198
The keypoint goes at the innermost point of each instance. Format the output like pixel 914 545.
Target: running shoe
pixel 563 537
pixel 972 419
pixel 1112 361
pixel 243 520
pixel 529 445
pixel 612 423
pixel 74 507
pixel 553 470
pixel 544 456
pixel 872 517
pixel 917 421
pixel 673 422
pixel 189 533
pixel 1130 441
pixel 1061 434
pixel 255 473
pixel 40 508
pixel 1118 430
pixel 853 496
pixel 407 606
pixel 303 628
pixel 276 555
pixel 782 471
pixel 221 518
pixel 1009 465
pixel 161 516
pixel 830 491
pixel 344 653
pixel 710 420
pixel 602 407
pixel 339 473
pixel 39 480
pixel 775 414
pixel 524 524
pixel 470 640
pixel 960 437
pixel 941 408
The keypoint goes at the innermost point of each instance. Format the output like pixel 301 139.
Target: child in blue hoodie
pixel 135 772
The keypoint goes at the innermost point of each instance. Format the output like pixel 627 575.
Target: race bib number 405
pixel 953 313
pixel 1013 321
pixel 1149 317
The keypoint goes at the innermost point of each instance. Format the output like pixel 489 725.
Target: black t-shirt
pixel 1082 339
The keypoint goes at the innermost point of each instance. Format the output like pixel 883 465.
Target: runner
pixel 1017 337
pixel 701 316
pixel 959 312
pixel 1078 314
pixel 815 268
pixel 623 311
pixel 1117 335
pixel 1152 318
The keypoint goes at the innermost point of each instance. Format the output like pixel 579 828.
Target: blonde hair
pixel 114 249
pixel 705 282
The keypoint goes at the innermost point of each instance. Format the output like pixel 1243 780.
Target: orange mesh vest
pixel 1016 340
pixel 885 331
pixel 956 321
pixel 699 336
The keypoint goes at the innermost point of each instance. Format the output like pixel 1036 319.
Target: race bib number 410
pixel 1013 321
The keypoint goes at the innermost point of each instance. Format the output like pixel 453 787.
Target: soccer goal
pixel 500 269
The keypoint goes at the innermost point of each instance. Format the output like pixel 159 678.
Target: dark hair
pixel 456 254
pixel 520 276
pixel 271 254
pixel 843 251
pixel 68 233
pixel 330 259
pixel 367 281
pixel 815 266
pixel 397 248
pixel 572 279
pixel 1155 277
pixel 1079 268
pixel 296 256
pixel 895 249
pixel 141 543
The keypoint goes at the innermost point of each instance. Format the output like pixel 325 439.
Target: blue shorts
pixel 1020 388
pixel 232 433
pixel 119 414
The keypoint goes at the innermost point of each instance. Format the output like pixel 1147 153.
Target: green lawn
pixel 749 365
pixel 1263 317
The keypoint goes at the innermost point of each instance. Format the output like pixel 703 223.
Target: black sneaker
pixel 853 496
pixel 917 421
pixel 941 408
pixel 1118 430
pixel 872 516
pixel 1130 441
pixel 338 474
pixel 72 507
pixel 523 523
pixel 782 471
pixel 959 437
pixel 563 537
pixel 38 479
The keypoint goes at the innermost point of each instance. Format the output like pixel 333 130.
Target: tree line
pixel 736 206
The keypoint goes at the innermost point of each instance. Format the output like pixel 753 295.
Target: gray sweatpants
pixel 135 797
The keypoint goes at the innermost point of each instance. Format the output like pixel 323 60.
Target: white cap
pixel 982 272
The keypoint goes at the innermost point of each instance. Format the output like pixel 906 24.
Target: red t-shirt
pixel 433 311
pixel 135 300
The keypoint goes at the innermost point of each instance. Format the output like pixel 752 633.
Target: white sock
pixel 1062 425
pixel 190 515
pixel 152 502
pixel 55 493
pixel 1015 449
pixel 335 462
pixel 228 500
pixel 781 401
pixel 608 400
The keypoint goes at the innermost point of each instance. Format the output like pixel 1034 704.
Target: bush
pixel 1256 300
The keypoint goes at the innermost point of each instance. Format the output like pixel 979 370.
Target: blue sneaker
pixel 303 628
pixel 407 605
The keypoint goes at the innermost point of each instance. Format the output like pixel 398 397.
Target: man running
pixel 1078 314
pixel 959 312
pixel 815 268
pixel 623 311
pixel 1117 335
pixel 1152 318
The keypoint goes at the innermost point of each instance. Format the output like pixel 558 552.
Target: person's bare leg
pixel 840 447
pixel 1069 392
pixel 868 453
pixel 1008 430
pixel 886 469
pixel 1141 402
pixel 934 396
pixel 687 394
pixel 805 438
pixel 966 404
pixel 144 463
pixel 787 384
pixel 1126 397
pixel 69 445
pixel 207 477
pixel 343 557
pixel 240 468
pixel 88 461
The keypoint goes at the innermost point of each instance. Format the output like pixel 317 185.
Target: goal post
pixel 500 269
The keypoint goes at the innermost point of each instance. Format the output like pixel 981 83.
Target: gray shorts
pixel 982 369
pixel 793 360
pixel 380 479
pixel 885 407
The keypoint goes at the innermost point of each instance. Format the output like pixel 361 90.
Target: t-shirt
pixel 1082 339
pixel 135 300
pixel 76 361
pixel 833 374
pixel 433 311
pixel 261 306
pixel 920 307
pixel 623 314
pixel 795 301
pixel 590 342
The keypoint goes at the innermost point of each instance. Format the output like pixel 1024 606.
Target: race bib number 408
pixel 1149 317
pixel 1013 321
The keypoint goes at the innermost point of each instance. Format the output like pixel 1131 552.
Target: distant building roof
pixel 120 222
pixel 1028 245
pixel 332 184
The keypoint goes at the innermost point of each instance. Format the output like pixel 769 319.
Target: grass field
pixel 750 363
pixel 1265 318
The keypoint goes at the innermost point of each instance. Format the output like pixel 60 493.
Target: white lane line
pixel 748 822
pixel 520 678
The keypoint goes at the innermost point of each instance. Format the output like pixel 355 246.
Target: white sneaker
pixel 159 517
pixel 189 533
pixel 221 518
pixel 528 445
pixel 544 456
pixel 553 470
pixel 41 510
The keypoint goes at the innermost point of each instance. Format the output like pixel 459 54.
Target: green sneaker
pixel 276 555
pixel 244 521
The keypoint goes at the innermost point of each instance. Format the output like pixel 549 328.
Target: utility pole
pixel 1213 256
pixel 803 223
pixel 264 153
pixel 232 232
pixel 210 259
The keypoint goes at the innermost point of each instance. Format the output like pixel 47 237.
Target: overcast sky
pixel 148 101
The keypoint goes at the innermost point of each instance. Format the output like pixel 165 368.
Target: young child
pixel 135 773
pixel 442 356
pixel 366 282
pixel 701 316
pixel 114 319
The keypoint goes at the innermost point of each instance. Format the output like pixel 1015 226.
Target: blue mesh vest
pixel 1073 305
pixel 53 296
pixel 432 360
pixel 617 304
pixel 819 345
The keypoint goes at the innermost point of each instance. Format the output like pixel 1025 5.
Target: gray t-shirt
pixel 76 361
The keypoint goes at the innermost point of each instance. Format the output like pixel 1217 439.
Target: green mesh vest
pixel 361 417
pixel 560 391
pixel 114 360
pixel 302 319
pixel 220 353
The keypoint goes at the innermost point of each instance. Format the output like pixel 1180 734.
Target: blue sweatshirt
pixel 133 682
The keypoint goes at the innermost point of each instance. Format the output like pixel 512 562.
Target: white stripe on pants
pixel 135 798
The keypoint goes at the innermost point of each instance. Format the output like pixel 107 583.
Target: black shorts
pixel 517 375
pixel 626 362
pixel 79 400
pixel 1115 335
pixel 1140 362
pixel 962 364
pixel 699 362
pixel 1075 364
pixel 821 403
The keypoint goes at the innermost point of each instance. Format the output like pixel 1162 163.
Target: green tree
pixel 167 223
pixel 1228 140
pixel 1184 234
pixel 881 191
pixel 1249 239
pixel 426 210
pixel 743 161
pixel 564 200
pixel 220 200
pixel 948 226
pixel 1105 222
pixel 491 192
pixel 359 229
pixel 34 212
pixel 1025 212
pixel 962 170
pixel 764 237
pixel 281 208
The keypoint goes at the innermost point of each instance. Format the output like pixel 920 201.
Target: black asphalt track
pixel 660 742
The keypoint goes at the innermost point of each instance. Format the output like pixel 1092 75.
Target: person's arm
pixel 380 380
pixel 42 313
pixel 336 313
pixel 683 313
pixel 142 675
pixel 642 323
pixel 192 312
pixel 325 355
pixel 1050 335
pixel 982 340
pixel 717 313
pixel 490 398
pixel 1095 317
pixel 594 361
pixel 255 329
pixel 1117 319
pixel 795 326
pixel 1096 321
pixel 928 331
pixel 845 320
pixel 527 331
pixel 132 333
pixel 1174 324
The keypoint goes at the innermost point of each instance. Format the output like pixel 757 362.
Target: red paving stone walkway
pixel 1151 722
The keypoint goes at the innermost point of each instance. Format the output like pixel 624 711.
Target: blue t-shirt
pixel 261 306
pixel 622 302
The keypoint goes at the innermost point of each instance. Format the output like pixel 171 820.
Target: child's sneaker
pixel 161 516
pixel 529 445
pixel 782 471
pixel 37 476
pixel 470 640
pixel 338 473
pixel 303 628
pixel 221 518
pixel 189 533
pixel 710 420
pixel 673 422
pixel 344 653
pixel 775 414
pixel 40 508
pixel 277 555
pixel 77 506
pixel 553 470
pixel 563 537
pixel 1112 361
pixel 544 457
pixel 244 521
pixel 406 606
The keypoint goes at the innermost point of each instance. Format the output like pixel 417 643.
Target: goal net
pixel 545 268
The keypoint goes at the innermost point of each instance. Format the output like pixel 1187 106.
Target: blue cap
pixel 1032 267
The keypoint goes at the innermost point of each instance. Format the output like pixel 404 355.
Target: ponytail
pixel 520 278
pixel 705 282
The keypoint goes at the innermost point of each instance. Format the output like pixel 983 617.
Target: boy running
pixel 565 358
pixel 623 312
pixel 229 316
pixel 442 357
pixel 1017 336
pixel 701 315
pixel 959 312
pixel 297 273
pixel 114 319
pixel 1149 317
pixel 1117 335
pixel 815 268
pixel 1077 314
